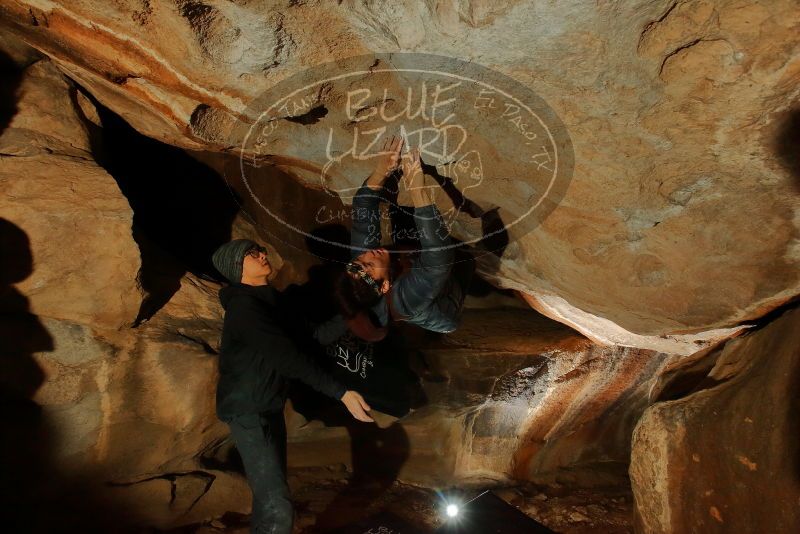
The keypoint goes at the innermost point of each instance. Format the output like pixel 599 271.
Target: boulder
pixel 679 116
pixel 88 400
pixel 510 396
pixel 77 222
pixel 722 457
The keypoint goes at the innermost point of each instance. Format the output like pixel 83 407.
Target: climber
pixel 427 291
pixel 256 357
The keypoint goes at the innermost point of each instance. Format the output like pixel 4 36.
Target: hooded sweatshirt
pixel 257 357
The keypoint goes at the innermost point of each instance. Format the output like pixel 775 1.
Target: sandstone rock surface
pixel 87 399
pixel 723 457
pixel 678 225
pixel 677 112
pixel 520 397
pixel 78 223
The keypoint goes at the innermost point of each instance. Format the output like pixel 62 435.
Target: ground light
pixel 485 513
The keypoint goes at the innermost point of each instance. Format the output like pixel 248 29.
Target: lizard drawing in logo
pixel 352 353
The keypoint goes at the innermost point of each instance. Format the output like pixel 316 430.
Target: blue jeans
pixel 261 441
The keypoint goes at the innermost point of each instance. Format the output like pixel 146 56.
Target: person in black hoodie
pixel 256 359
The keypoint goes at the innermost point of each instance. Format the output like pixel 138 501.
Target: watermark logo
pixel 496 158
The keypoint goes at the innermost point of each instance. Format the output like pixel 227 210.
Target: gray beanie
pixel 229 257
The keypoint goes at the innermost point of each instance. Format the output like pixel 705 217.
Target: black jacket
pixel 257 356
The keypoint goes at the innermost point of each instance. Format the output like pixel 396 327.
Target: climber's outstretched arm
pixel 414 180
pixel 366 231
pixel 423 283
pixel 388 161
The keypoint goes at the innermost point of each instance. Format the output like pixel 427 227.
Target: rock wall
pixel 86 399
pixel 680 114
pixel 724 457
pixel 679 225
pixel 50 131
pixel 518 397
pixel 95 398
pixel 125 410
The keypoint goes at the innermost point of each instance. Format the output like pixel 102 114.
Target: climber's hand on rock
pixel 357 406
pixel 414 179
pixel 412 170
pixel 388 162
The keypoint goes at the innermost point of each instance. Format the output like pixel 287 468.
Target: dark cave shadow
pixel 393 387
pixel 11 75
pixel 38 492
pixel 31 481
pixel 182 209
pixel 378 454
pixel 787 146
pixel 26 438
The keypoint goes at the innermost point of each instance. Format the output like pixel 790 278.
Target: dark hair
pixel 353 295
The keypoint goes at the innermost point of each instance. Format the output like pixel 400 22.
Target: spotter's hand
pixel 357 406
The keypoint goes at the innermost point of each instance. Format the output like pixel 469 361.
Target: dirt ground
pixel 326 499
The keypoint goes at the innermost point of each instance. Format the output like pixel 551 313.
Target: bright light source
pixel 452 510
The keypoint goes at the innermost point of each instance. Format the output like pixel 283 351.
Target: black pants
pixel 261 441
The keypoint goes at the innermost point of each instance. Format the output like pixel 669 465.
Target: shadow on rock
pixel 386 381
pixel 378 455
pixel 788 145
pixel 182 209
pixel 36 495
pixel 25 439
pixel 12 76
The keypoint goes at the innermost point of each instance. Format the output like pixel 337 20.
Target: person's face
pixel 255 264
pixel 375 263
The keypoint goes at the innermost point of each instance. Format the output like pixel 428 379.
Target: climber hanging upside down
pixel 425 291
